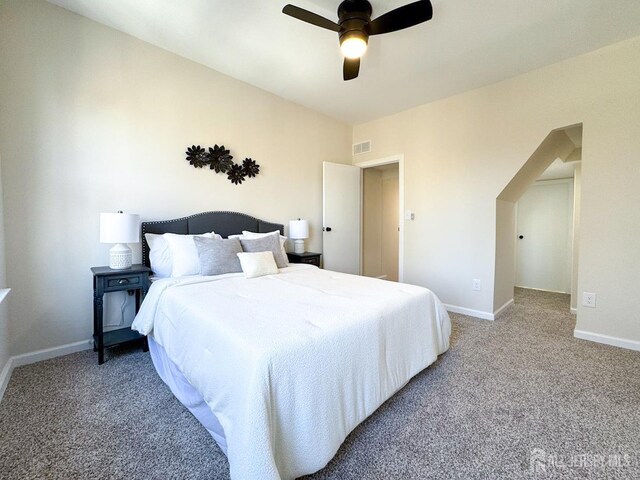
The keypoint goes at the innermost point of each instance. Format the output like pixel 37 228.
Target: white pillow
pixel 161 255
pixel 182 253
pixel 257 264
pixel 283 239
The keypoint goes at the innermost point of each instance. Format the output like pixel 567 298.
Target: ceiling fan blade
pixel 402 17
pixel 309 17
pixel 351 68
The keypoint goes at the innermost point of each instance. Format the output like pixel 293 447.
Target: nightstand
pixel 106 280
pixel 306 257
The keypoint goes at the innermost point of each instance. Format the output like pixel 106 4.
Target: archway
pixel 562 145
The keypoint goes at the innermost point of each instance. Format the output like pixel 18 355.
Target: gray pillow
pixel 268 243
pixel 218 256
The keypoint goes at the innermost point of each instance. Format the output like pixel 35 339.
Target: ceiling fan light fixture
pixel 354 26
pixel 353 45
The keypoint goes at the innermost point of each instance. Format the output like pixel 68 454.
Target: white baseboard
pixel 502 308
pixel 47 353
pixel 607 340
pixel 542 290
pixel 470 312
pixel 574 310
pixel 5 375
pixel 38 356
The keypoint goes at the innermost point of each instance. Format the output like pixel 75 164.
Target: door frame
pixel 399 159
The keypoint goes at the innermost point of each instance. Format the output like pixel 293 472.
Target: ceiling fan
pixel 355 26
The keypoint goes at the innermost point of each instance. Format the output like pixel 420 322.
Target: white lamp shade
pixel 298 229
pixel 119 228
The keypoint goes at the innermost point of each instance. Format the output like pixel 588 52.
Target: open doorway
pixel 387 172
pixel 380 221
pixel 344 212
pixel 537 221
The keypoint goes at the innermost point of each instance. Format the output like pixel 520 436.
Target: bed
pixel 281 368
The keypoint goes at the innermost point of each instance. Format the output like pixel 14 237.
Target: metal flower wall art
pixel 219 160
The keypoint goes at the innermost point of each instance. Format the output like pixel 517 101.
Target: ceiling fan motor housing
pixel 354 16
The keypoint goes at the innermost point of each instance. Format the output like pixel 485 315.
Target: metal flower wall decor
pixel 219 160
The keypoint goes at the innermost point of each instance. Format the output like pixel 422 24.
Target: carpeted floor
pixel 506 390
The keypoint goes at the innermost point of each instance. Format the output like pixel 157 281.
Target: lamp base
pixel 298 246
pixel 120 257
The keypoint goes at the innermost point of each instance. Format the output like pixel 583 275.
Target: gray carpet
pixel 504 389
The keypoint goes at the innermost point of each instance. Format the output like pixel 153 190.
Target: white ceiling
pixel 468 44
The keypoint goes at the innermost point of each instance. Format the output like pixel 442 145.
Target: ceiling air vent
pixel 362 147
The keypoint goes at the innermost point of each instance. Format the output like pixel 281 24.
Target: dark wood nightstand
pixel 306 257
pixel 105 280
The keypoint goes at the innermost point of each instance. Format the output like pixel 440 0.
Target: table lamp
pixel 119 228
pixel 298 232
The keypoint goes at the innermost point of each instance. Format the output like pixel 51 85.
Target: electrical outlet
pixel 476 284
pixel 589 299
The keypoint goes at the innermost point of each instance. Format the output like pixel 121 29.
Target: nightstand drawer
pixel 123 282
pixel 309 258
pixel 311 261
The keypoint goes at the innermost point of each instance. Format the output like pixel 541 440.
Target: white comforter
pixel 291 363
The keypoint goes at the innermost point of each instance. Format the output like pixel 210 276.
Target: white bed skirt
pixel 184 392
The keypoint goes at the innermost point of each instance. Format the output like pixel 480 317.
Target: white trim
pixel 5 376
pixel 470 312
pixel 607 340
pixel 555 181
pixel 502 308
pixel 399 159
pixel 381 161
pixel 3 293
pixel 573 310
pixel 542 290
pixel 48 353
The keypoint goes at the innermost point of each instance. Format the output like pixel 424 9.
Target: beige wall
pixel 93 120
pixel 462 151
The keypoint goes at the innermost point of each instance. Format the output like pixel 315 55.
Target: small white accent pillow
pixel 283 239
pixel 257 264
pixel 184 254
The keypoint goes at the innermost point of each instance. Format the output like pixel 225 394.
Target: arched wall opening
pixel 563 145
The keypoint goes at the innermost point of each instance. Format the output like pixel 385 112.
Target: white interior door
pixel 544 236
pixel 341 217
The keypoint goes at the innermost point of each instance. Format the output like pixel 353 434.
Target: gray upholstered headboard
pixel 223 223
